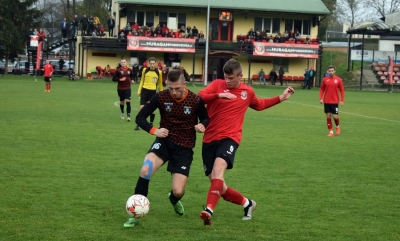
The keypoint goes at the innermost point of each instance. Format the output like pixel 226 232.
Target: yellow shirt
pixel 151 80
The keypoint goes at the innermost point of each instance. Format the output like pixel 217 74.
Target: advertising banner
pixel 159 44
pixel 284 50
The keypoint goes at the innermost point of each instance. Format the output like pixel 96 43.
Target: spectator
pixel 29 33
pixel 240 38
pixel 306 79
pixel 297 37
pixel 111 25
pixel 64 27
pixel 195 32
pixel 41 35
pixel 251 34
pixel 107 70
pixel 61 63
pixel 35 32
pixel 121 36
pixel 101 30
pixel 136 26
pixel 261 76
pixel 96 22
pixel 307 41
pixel 75 23
pixel 281 73
pixel 286 36
pixel 164 28
pixel 127 28
pixel 84 22
pixel 135 71
pixel 273 76
pixel 91 24
pixel 165 71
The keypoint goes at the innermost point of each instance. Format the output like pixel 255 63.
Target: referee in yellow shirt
pixel 151 78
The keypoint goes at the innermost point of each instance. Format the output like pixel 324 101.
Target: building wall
pixel 387 45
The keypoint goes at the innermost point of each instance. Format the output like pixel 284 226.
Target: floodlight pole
pixel 207 42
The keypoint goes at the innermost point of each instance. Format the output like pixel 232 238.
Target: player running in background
pixel 227 101
pixel 180 110
pixel 151 78
pixel 124 75
pixel 48 72
pixel 329 96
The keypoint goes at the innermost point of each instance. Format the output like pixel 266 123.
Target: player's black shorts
pixel 146 95
pixel 179 158
pixel 225 149
pixel 47 79
pixel 331 108
pixel 124 94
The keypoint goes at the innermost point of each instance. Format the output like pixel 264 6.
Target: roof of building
pixel 375 28
pixel 282 6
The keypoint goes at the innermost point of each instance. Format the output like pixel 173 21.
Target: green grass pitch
pixel 69 163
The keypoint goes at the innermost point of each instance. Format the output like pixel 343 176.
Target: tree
pixel 16 17
pixel 383 7
pixel 328 20
pixel 350 11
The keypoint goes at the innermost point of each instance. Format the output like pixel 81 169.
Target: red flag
pixel 390 72
pixel 39 55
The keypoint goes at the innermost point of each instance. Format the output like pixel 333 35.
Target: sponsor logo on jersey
pixel 243 95
pixel 187 110
pixel 154 79
pixel 168 107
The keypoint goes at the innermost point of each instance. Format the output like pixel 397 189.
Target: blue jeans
pixel 262 79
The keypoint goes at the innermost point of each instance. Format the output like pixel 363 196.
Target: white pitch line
pixel 345 112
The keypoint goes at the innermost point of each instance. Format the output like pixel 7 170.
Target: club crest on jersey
pixel 154 79
pixel 187 110
pixel 122 72
pixel 168 107
pixel 335 81
pixel 243 95
pixel 129 72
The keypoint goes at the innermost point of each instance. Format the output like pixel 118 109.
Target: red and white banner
pixel 34 40
pixel 390 70
pixel 308 51
pixel 39 54
pixel 160 44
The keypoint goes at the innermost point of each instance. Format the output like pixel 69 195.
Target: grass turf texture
pixel 69 163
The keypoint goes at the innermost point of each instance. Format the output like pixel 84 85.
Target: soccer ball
pixel 137 206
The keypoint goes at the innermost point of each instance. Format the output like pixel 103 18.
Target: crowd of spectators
pixel 262 36
pixel 158 31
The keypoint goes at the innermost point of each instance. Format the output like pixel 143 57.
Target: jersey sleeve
pixel 146 111
pixel 322 89
pixel 141 82
pixel 263 103
pixel 202 113
pixel 159 81
pixel 341 90
pixel 209 93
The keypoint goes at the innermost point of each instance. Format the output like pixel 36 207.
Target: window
pixel 284 62
pixel 303 26
pixel 142 18
pixel 270 25
pixel 172 20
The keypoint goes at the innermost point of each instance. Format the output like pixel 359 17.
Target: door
pixel 220 30
pixel 215 67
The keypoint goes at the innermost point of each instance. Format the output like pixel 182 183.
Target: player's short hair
pixel 174 75
pixel 331 67
pixel 232 66
pixel 152 59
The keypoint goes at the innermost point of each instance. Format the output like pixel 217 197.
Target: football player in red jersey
pixel 48 72
pixel 329 96
pixel 227 101
pixel 124 75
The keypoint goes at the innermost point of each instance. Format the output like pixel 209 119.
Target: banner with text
pixel 286 50
pixel 177 45
pixel 373 56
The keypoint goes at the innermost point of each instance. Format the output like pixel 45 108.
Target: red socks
pixel 336 121
pixel 329 123
pixel 214 193
pixel 233 196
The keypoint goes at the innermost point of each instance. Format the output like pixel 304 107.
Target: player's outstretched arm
pixel 286 94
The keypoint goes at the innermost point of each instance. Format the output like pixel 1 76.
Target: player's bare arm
pixel 122 79
pixel 200 128
pixel 286 94
pixel 341 103
pixel 226 95
pixel 161 133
